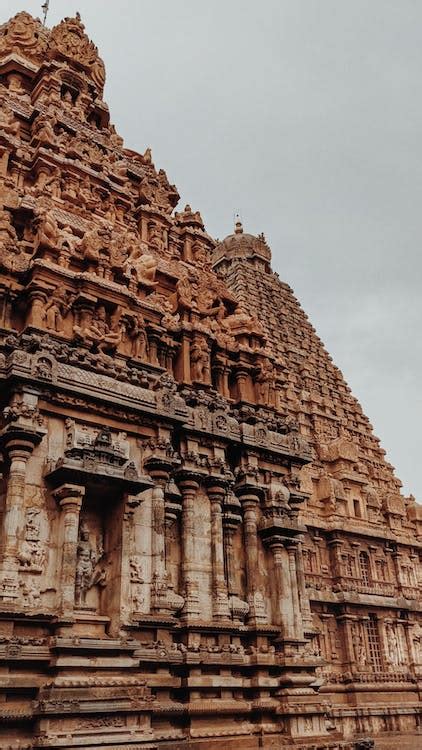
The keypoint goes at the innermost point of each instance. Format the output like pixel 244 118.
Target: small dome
pixel 242 245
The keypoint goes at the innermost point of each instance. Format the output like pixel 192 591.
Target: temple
pixel 202 546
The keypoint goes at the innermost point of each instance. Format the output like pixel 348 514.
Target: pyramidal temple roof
pixel 90 206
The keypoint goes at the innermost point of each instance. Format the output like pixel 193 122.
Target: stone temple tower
pixel 201 543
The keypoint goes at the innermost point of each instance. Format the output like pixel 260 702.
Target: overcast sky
pixel 305 116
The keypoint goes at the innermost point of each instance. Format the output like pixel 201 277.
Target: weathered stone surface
pixel 202 544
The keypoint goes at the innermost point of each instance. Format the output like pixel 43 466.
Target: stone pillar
pixel 19 449
pixel 305 606
pixel 229 532
pixel 192 609
pixel 345 624
pixel 285 614
pixel 294 588
pixel 158 549
pixel 255 599
pixel 220 603
pixel 37 301
pixel 69 497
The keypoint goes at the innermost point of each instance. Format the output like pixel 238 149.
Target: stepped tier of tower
pixel 202 544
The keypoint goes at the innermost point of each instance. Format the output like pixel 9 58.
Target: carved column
pixel 19 448
pixel 162 595
pixel 285 615
pixel 69 497
pixel 255 599
pixel 220 602
pixel 37 300
pixel 345 624
pixel 305 606
pixel 294 588
pixel 158 549
pixel 192 609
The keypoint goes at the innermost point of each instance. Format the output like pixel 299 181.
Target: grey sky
pixel 306 117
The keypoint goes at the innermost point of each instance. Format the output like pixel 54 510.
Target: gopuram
pixel 202 544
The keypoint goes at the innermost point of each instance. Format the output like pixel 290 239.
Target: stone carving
pixel 359 647
pixel 200 361
pixel 136 570
pixel 88 573
pixel 265 383
pixel 32 554
pixel 58 306
pixel 139 262
pixel 48 230
pixel 138 337
pixel 100 335
pixel 68 38
pixel 8 123
pixel 43 130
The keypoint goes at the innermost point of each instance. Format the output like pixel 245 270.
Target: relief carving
pixel 88 572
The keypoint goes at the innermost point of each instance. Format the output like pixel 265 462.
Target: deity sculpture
pixel 43 130
pixel 56 309
pixel 48 230
pixel 138 337
pixel 140 262
pixel 52 184
pixel 359 648
pixel 87 574
pixel 8 123
pixel 157 238
pixel 241 320
pixel 99 334
pixel 200 361
pixel 265 382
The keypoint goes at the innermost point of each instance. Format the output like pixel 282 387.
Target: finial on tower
pixel 44 8
pixel 238 225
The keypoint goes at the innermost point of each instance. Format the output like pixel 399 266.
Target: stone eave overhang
pixel 383 534
pixel 363 600
pixel 20 368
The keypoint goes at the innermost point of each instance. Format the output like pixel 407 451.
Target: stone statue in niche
pixel 87 572
pixel 393 655
pixel 8 123
pixel 48 230
pixel 241 321
pixel 57 307
pixel 43 130
pixel 11 256
pixel 95 244
pixel 200 254
pixel 140 262
pixel 99 334
pixel 157 237
pixel 359 647
pixel 49 184
pixel 265 382
pixel 138 337
pixel 138 599
pixel 185 294
pixel 200 361
pixel 136 570
pixel 31 594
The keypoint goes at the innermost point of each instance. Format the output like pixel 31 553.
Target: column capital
pixel 216 490
pixel 69 495
pixel 188 482
pixel 19 443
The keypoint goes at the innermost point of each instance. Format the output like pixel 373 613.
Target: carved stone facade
pixel 202 545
